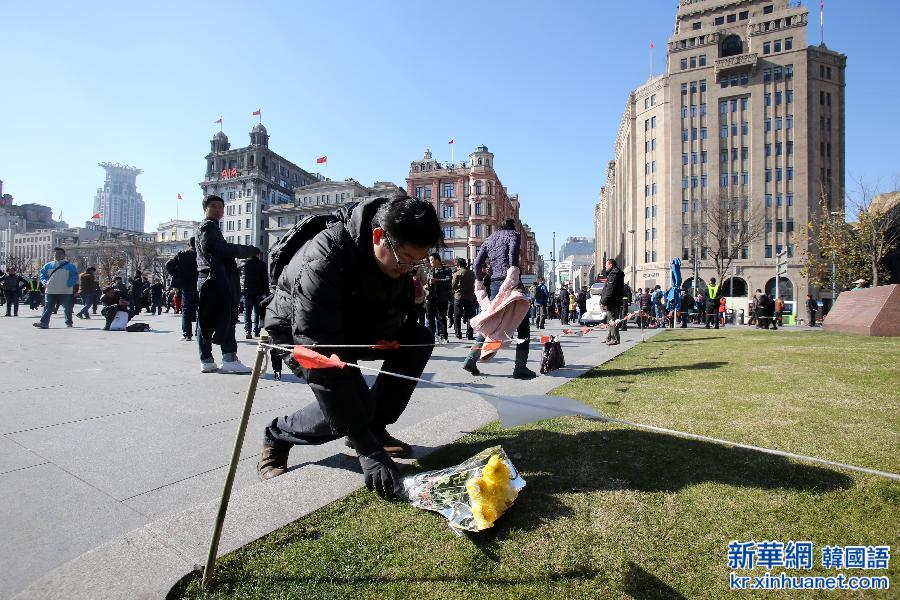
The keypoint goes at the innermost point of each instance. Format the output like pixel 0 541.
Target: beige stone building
pixel 748 116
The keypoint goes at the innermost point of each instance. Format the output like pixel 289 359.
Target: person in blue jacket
pixel 60 279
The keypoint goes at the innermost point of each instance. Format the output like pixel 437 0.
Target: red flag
pixel 545 339
pixel 651 45
pixel 451 141
pixel 567 331
pixel 97 215
pixel 257 112
pixel 321 159
pixel 491 346
pixel 179 196
pixel 585 330
pixel 386 345
pixel 218 121
pixel 310 359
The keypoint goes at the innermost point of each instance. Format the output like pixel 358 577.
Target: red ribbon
pixel 386 345
pixel 310 359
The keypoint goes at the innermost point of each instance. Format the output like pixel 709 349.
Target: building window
pixel 745 79
pixel 697 25
pixel 478 208
pixel 790 173
pixel 731 18
pixel 768 9
pixel 768 175
pixel 449 233
pixel 478 188
pixel 767 74
pixel 719 21
pixel 419 192
pixel 448 190
pixel 702 60
pixel 684 64
pixel 744 15
pixel 767 48
pixel 777 46
pixel 684 206
pixel 449 211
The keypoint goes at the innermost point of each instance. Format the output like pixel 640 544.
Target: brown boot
pixel 392 445
pixel 272 462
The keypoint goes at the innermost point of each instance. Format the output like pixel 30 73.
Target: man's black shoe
pixel 272 462
pixel 523 373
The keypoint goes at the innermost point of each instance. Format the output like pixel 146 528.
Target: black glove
pixel 381 474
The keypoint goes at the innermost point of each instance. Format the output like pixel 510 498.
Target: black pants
pixel 564 315
pixel 812 318
pixel 436 317
pixel 189 300
pixel 12 301
pixel 222 316
pixel 345 405
pixel 463 310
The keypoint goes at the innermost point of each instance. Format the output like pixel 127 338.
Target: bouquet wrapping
pixel 471 495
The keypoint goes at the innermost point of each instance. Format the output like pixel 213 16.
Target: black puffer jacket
pixel 332 292
pixel 500 251
pixel 614 290
pixel 254 277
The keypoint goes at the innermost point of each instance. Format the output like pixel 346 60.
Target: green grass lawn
pixel 613 512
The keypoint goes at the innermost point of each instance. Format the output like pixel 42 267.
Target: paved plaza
pixel 115 447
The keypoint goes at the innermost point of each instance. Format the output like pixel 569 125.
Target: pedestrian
pixel 60 279
pixel 811 308
pixel 541 297
pixel 464 301
pixel 712 303
pixel 156 297
pixel 114 300
pixel 646 307
pixel 611 298
pixel 753 308
pixel 763 305
pixel 419 296
pixel 183 269
pixel 87 289
pixel 35 292
pixel 779 310
pixel 136 292
pixel 254 287
pixel 564 304
pixel 581 300
pixel 437 297
pixel 723 307
pixel 501 252
pixel 218 286
pixel 13 284
pixel 351 284
pixel 687 307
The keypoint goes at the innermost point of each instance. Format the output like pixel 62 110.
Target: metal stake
pixel 208 572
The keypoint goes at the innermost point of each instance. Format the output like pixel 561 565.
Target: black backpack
pixel 284 249
pixel 552 357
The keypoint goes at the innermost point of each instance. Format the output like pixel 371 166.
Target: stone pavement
pixel 114 448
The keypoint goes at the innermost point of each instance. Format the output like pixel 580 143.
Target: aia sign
pixel 228 173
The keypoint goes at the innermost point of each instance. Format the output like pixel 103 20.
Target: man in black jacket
pixel 254 287
pixel 611 297
pixel 183 269
pixel 218 287
pixel 437 299
pixel 351 285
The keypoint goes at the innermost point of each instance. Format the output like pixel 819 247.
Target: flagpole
pixel 822 22
pixel 651 60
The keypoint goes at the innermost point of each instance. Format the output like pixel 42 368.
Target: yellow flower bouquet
pixel 471 495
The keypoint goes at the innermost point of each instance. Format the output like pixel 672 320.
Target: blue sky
pixel 370 84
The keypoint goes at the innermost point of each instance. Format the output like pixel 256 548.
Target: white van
pixel 594 313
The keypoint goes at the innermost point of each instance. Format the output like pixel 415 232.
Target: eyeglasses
pixel 409 266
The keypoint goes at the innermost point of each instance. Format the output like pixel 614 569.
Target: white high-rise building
pixel 118 202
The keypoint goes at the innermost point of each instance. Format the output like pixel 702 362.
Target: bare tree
pixel 878 226
pixel 141 256
pixel 729 230
pixel 110 261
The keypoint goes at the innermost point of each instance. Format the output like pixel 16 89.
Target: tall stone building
pixel 471 203
pixel 748 117
pixel 250 179
pixel 118 201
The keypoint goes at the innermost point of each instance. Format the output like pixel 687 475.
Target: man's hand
pixel 381 474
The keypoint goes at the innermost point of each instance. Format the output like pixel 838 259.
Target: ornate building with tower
pixel 250 180
pixel 471 203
